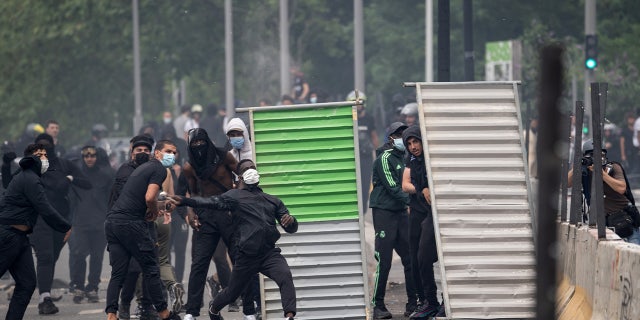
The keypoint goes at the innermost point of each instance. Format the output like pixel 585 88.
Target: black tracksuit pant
pixel 422 244
pixel 391 229
pixel 273 265
pixel 47 244
pixel 86 242
pixel 15 251
pixel 127 239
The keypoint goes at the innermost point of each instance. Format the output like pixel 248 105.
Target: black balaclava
pixel 204 158
pixel 47 141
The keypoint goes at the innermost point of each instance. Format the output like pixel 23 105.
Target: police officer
pixel 24 201
pixel 367 141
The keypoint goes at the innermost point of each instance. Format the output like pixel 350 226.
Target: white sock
pixel 44 295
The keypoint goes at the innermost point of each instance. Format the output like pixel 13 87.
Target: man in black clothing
pixel 47 243
pixel 128 234
pixel 141 146
pixel 90 210
pixel 422 242
pixel 253 214
pixel 208 172
pixel 24 201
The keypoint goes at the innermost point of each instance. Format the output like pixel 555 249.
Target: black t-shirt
pixel 131 204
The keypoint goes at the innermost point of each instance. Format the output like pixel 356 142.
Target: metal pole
pixel 137 87
pixel 429 40
pixel 596 215
pixel 285 84
pixel 566 133
pixel 228 58
pixel 548 158
pixel 576 187
pixel 444 69
pixel 358 45
pixel 468 40
pixel 589 29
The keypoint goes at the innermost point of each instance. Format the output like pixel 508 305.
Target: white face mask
pixel 45 166
pixel 166 120
pixel 251 176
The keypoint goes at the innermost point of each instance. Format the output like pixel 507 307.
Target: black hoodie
pixel 25 198
pixel 418 171
pixel 91 205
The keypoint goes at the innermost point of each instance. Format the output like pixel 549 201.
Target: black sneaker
pixel 424 310
pixel 123 312
pixel 381 312
pixel 214 316
pixel 217 316
pixel 442 312
pixel 78 296
pixel 410 307
pixel 214 287
pixel 47 307
pixel 92 296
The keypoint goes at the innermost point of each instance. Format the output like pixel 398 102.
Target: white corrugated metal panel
pixel 326 263
pixel 479 185
pixel 307 156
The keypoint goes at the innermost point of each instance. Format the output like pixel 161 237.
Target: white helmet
pixel 352 96
pixel 410 109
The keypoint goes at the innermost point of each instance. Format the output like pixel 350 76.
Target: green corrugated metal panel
pixel 307 158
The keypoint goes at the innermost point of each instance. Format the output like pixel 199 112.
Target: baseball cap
pixel 396 126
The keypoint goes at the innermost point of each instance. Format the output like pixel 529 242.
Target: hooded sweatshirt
pixel 246 152
pixel 25 199
pixel 418 172
pixel 204 159
pixel 91 205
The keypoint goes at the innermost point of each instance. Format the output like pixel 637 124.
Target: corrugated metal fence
pixel 307 157
pixel 475 161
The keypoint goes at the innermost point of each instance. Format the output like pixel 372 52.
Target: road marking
pixel 92 311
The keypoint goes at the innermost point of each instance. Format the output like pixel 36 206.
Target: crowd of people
pixel 185 172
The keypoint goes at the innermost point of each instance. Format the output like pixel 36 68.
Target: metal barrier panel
pixel 480 191
pixel 307 157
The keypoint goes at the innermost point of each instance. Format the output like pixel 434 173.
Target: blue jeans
pixel 635 237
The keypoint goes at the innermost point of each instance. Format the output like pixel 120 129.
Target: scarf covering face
pixel 204 159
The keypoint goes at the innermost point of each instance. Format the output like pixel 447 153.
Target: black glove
pixel 8 157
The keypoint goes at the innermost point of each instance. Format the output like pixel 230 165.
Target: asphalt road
pixel 395 299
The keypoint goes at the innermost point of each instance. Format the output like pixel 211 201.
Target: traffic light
pixel 591 51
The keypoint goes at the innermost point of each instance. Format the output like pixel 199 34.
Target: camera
pixel 586 161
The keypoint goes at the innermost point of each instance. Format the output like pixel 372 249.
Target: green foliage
pixel 72 60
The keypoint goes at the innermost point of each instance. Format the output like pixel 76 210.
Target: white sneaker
pixel 250 317
pixel 188 317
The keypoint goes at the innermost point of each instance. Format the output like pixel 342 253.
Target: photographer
pixel 617 196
